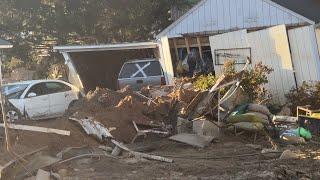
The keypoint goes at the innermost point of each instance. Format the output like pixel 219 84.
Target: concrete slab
pixel 193 139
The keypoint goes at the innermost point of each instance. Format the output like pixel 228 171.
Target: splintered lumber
pixel 37 129
pixel 93 128
pixel 141 155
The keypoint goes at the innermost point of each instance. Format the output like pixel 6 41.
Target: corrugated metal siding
pixel 304 52
pixel 236 39
pixel 271 47
pixel 223 15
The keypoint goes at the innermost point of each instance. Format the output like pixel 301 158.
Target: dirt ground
pixel 218 161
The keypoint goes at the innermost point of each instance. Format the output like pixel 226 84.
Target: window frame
pixel 216 61
pixel 66 88
pixel 29 90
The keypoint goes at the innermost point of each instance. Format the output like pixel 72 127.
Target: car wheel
pixel 13 115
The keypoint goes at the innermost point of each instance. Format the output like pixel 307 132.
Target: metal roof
pixel 4 44
pixel 106 47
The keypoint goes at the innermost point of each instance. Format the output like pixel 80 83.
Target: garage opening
pixel 101 68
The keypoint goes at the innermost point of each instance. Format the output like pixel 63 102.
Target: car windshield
pixel 14 91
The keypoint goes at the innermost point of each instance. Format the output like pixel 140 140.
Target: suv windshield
pixel 14 91
pixel 141 69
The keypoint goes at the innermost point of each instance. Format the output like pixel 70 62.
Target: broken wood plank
pixel 92 127
pixel 37 129
pixel 193 139
pixel 86 155
pixel 141 155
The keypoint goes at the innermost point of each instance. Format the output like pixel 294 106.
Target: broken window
pixel 54 87
pixel 238 55
pixel 38 89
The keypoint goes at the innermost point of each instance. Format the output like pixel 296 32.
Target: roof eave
pixel 106 47
pixel 6 46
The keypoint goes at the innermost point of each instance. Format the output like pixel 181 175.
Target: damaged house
pixel 282 34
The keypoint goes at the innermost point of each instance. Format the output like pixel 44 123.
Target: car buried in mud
pixel 38 99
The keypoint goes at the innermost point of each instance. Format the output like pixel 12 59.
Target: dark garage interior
pixel 101 68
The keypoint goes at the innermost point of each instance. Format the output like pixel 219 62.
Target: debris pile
pixel 117 110
pixel 107 122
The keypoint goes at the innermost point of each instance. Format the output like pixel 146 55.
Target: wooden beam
pixel 176 49
pixel 199 46
pixel 187 44
pixel 37 129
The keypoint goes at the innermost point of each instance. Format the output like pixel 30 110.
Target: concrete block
pixel 206 128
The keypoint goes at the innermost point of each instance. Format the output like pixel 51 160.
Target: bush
pixel 306 94
pixel 253 80
pixel 204 82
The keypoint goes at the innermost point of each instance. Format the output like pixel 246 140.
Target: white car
pixel 39 99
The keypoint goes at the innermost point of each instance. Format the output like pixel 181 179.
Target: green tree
pixel 34 26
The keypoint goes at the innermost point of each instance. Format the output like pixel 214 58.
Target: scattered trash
pixel 299 132
pixel 293 139
pixel 288 154
pixel 284 119
pixel 93 128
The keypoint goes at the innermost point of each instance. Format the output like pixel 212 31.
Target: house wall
pixel 305 54
pixel 318 37
pixel 234 41
pixel 269 46
pixel 226 15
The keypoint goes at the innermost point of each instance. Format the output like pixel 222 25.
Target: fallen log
pixel 37 129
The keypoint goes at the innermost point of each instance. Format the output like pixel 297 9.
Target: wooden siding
pixel 166 61
pixel 271 47
pixel 318 38
pixel 304 52
pixel 226 15
pixel 236 39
